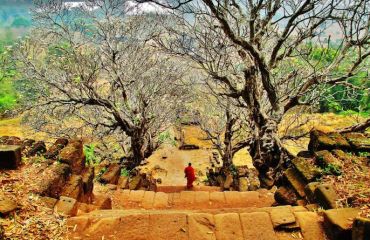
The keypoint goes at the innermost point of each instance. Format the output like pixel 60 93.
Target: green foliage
pixel 89 151
pixel 166 137
pixel 125 172
pixel 332 169
pixel 8 95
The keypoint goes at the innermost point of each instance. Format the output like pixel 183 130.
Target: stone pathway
pixel 140 199
pixel 244 224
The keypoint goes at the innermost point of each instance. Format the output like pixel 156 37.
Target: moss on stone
pixel 324 158
pixel 306 169
pixel 358 141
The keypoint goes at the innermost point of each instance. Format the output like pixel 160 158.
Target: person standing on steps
pixel 189 175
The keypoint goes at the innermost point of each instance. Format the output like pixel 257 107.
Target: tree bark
pixel 269 157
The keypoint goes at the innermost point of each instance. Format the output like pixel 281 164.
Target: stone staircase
pixel 173 189
pixel 268 223
pixel 196 215
pixel 190 200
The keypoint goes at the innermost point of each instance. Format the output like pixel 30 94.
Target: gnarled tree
pixel 270 56
pixel 93 66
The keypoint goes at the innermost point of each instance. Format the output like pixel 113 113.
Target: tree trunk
pixel 269 157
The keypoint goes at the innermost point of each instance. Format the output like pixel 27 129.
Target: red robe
pixel 190 176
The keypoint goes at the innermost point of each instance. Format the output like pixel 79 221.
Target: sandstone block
pixel 285 196
pixel 52 180
pixel 148 199
pixel 359 141
pixel 102 202
pixel 217 198
pixel 187 197
pixel 202 197
pixel 294 179
pixel 168 226
pixel 326 141
pixel 310 225
pixel 112 174
pixel 361 229
pixel 160 200
pixel 338 222
pixel 137 196
pixel 310 191
pixel 66 207
pixel 326 196
pixel 257 225
pixel 7 205
pixel 49 202
pixel 54 150
pixel 306 169
pixel 282 216
pixel 135 183
pixel 74 188
pixel 73 155
pixel 228 227
pixel 134 227
pixel 324 158
pixel 122 182
pixel 201 226
pixel 10 156
pixel 88 180
pixel 37 148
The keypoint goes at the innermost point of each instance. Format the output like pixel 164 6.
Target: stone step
pixel 140 199
pixel 192 225
pixel 174 189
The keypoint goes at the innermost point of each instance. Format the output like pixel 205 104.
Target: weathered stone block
pixel 66 207
pixel 361 229
pixel 102 202
pixel 228 226
pixel 282 216
pixel 295 180
pixel 326 196
pixel 135 183
pixel 49 202
pixel 306 169
pixel 54 150
pixel 112 174
pixel 285 196
pixel 37 148
pixel 123 182
pixel 7 205
pixel 338 222
pixel 262 226
pixel 326 141
pixel 324 158
pixel 310 225
pixel 74 188
pixel 358 141
pixel 168 226
pixel 10 156
pixel 73 155
pixel 201 226
pixel 88 180
pixel 11 140
pixel 310 191
pixel 52 180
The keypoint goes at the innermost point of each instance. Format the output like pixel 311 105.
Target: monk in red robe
pixel 190 176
